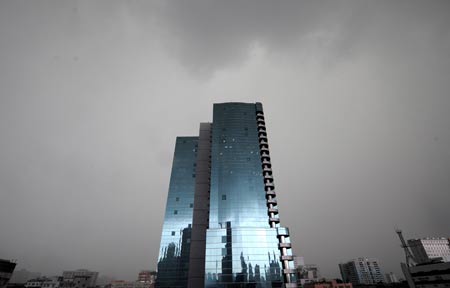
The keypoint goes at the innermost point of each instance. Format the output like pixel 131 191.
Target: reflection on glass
pixel 173 262
pixel 241 248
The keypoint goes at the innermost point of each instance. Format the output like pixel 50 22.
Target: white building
pixel 361 271
pixel 52 282
pixel 426 249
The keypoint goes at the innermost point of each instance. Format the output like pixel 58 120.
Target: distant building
pixel 6 271
pixel 327 284
pixel 391 278
pixel 426 249
pixel 361 271
pixel 132 284
pixel 52 282
pixel 147 276
pixel 79 279
pixel 122 284
pixel 35 283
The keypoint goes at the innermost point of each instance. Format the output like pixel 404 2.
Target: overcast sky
pixel 93 93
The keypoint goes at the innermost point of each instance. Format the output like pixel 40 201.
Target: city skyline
pixel 92 95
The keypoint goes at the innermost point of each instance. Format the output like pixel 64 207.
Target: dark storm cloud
pixel 93 94
pixel 209 35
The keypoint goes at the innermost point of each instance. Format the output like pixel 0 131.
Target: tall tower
pixel 236 239
pixel 174 253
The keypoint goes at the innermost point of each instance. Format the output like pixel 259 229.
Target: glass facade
pixel 242 249
pixel 244 244
pixel 173 262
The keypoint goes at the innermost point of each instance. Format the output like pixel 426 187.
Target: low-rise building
pixel 35 283
pixel 79 279
pixel 327 284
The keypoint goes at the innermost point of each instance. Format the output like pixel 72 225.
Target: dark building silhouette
pixel 6 270
pixel 221 226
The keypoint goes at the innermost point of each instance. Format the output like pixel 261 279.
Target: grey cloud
pixel 210 35
pixel 93 94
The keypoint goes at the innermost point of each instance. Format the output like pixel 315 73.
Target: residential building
pixel 147 276
pixel 361 271
pixel 427 249
pixel 221 225
pixel 35 283
pixel 52 282
pixel 6 271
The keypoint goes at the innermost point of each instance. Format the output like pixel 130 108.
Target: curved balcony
pixel 266 157
pixel 267 169
pixel 271 193
pixel 282 231
pixel 264 149
pixel 269 184
pixel 274 219
pixel 289 271
pixel 260 121
pixel 261 125
pixel 266 162
pixel 267 176
pixel 273 210
pixel 287 257
pixel 272 201
pixel 285 245
pixel 262 136
pixel 259 114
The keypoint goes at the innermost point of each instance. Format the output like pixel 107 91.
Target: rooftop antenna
pixel 409 257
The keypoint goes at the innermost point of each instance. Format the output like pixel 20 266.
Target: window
pixel 191 205
pixel 175 212
pixel 177 199
pixel 173 233
pixel 224 197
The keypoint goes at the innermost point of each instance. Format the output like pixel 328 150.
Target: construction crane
pixel 409 257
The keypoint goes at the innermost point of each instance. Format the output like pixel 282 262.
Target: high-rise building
pixel 361 271
pixel 221 226
pixel 426 249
